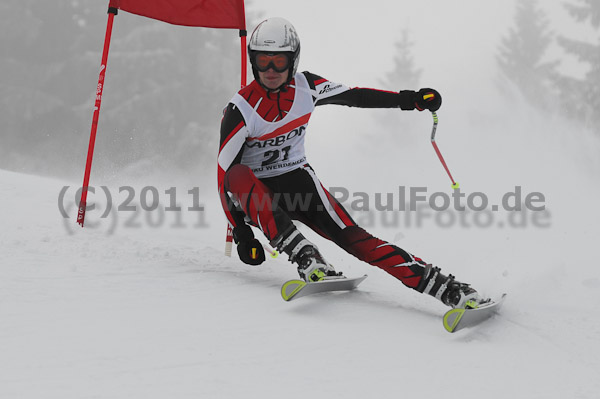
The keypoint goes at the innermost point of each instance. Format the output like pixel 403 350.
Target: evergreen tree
pixel 404 75
pixel 581 96
pixel 521 54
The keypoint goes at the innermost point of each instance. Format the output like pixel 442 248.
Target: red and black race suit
pixel 265 180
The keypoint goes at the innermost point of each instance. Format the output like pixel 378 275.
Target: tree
pixel 521 54
pixel 581 96
pixel 404 74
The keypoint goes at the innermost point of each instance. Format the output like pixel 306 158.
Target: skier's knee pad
pixel 238 172
pixel 239 178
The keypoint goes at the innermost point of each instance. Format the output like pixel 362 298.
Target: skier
pixel 265 180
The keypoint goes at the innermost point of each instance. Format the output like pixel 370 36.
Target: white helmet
pixel 275 35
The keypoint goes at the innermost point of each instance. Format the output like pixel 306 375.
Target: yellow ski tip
pixel 451 319
pixel 291 288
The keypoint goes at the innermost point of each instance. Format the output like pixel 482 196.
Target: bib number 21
pixel 274 155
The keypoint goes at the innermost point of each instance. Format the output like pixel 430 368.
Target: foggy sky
pixel 456 42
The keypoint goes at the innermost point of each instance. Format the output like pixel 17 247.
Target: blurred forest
pixel 165 89
pixel 524 60
pixel 525 65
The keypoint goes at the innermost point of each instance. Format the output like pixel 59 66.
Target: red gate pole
pixel 112 11
pixel 243 34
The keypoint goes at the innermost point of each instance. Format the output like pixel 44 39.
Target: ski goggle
pixel 280 62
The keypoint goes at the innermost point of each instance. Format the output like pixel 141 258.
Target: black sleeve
pixel 373 98
pixel 232 118
pixel 230 124
pixel 363 97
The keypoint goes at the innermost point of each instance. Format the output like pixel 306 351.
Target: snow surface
pixel 120 310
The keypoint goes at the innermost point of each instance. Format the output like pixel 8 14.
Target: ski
pixel 457 319
pixel 294 289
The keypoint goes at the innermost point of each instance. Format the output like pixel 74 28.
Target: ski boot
pixel 311 264
pixel 449 291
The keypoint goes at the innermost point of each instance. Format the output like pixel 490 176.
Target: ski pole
pixel 437 150
pixel 273 252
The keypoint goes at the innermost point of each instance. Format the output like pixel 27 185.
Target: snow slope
pixel 159 312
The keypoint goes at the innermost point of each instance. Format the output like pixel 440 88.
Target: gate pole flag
pixel 220 14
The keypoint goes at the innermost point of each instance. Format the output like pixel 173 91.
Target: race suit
pixel 265 180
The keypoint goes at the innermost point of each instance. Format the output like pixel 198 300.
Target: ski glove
pixel 249 248
pixel 251 252
pixel 428 99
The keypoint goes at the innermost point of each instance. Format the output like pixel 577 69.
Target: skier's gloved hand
pixel 249 248
pixel 251 252
pixel 428 99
